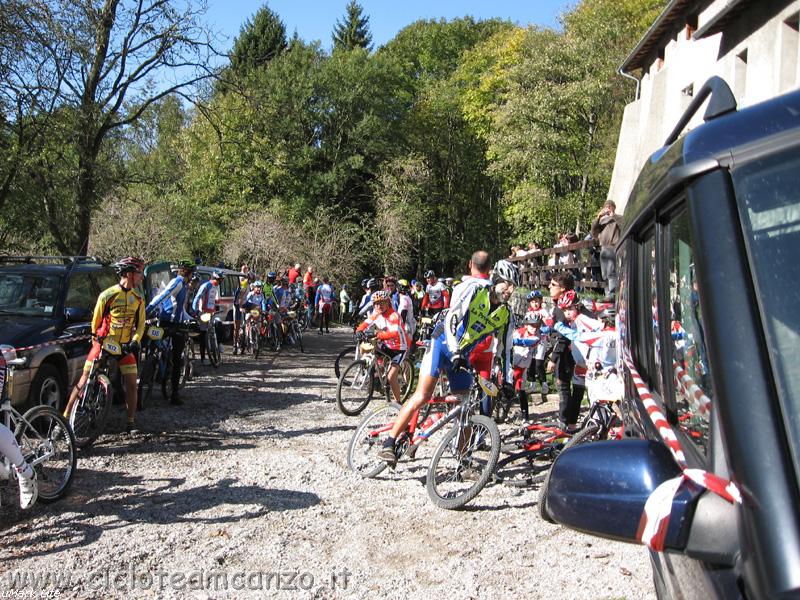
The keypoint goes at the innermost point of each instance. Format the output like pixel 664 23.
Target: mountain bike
pixel 369 375
pixel 157 360
pixel 212 342
pixel 256 331
pixel 274 336
pixel 294 333
pixel 463 462
pixel 44 438
pixel 89 413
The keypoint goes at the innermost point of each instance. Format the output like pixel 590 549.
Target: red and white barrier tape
pixel 697 398
pixel 56 342
pixel 654 522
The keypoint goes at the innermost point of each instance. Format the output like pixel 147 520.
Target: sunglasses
pixel 553 283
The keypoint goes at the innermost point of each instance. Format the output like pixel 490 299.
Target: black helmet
pixel 129 264
pixel 373 285
pixel 532 319
pixel 429 273
pixel 364 282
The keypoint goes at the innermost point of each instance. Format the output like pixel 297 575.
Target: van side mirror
pixel 601 489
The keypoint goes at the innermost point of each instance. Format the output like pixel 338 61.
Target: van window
pixel 767 191
pixel 228 286
pixel 689 369
pixel 81 293
pixel 645 344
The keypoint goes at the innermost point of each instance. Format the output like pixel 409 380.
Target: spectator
pixel 308 278
pixel 345 304
pixel 606 229
pixel 294 273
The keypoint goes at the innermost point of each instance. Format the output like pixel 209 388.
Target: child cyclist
pixel 526 341
pixel 536 372
pixel 389 331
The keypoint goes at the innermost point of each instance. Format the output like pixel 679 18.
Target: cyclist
pixel 283 301
pixel 373 285
pixel 205 301
pixel 526 340
pixel 26 476
pixel 323 300
pixel 436 297
pixel 393 338
pixel 256 299
pixel 479 308
pixel 170 305
pixel 119 315
pixel 245 280
pixel 536 372
pixel 405 306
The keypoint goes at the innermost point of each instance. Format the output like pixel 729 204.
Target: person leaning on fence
pixel 606 229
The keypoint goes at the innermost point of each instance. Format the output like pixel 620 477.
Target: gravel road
pixel 244 492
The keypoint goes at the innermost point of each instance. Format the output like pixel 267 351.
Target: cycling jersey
pixel 436 297
pixel 544 314
pixel 283 298
pixel 389 328
pixel 525 344
pixel 256 300
pixel 324 297
pixel 119 314
pixel 206 298
pixel 170 304
pixel 405 309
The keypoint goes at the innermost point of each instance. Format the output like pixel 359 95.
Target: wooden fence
pixel 536 272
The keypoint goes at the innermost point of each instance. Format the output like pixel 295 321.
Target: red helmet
pixel 129 264
pixel 568 299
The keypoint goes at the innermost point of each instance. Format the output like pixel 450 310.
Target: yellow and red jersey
pixel 119 314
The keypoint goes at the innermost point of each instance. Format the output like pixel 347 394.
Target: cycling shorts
pixel 437 358
pixel 325 308
pixel 397 355
pixel 127 364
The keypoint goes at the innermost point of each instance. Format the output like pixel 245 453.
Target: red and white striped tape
pixel 654 522
pixel 59 341
pixel 697 398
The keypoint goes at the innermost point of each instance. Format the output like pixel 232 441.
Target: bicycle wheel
pixel 367 441
pixel 166 380
pixel 89 414
pixel 590 433
pixel 463 464
pixel 274 333
pixel 501 406
pixel 255 342
pixel 146 383
pixel 347 355
pixel 298 336
pixel 48 444
pixel 355 388
pixel 212 346
pixel 405 377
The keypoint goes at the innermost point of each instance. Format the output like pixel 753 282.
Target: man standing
pixel 323 300
pixel 606 229
pixel 294 274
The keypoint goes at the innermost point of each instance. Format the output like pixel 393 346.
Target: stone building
pixel 752 44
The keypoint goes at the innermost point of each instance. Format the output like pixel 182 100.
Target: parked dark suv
pixel 46 306
pixel 709 318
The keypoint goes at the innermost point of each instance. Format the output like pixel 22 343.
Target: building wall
pixel 758 56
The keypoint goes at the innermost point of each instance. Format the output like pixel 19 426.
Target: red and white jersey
pixel 547 319
pixel 525 345
pixel 389 329
pixel 436 296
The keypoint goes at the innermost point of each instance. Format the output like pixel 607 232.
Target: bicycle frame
pixel 11 417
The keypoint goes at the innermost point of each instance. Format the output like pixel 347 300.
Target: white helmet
pixel 505 271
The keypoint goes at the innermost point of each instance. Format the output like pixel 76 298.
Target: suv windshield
pixel 768 190
pixel 28 294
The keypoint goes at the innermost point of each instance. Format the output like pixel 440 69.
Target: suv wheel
pixel 47 388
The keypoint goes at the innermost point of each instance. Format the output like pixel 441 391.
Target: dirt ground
pixel 244 492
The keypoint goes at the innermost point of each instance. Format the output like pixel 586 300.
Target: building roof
pixel 674 13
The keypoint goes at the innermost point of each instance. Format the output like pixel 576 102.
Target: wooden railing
pixel 537 273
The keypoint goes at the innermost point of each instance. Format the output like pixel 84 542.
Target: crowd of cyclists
pixel 474 330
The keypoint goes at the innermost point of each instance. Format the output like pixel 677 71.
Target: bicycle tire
pixel 355 388
pixel 298 336
pixel 368 440
pixel 584 436
pixel 340 356
pixel 43 430
pixel 475 453
pixel 405 377
pixel 255 341
pixel 501 406
pixel 145 386
pixel 166 380
pixel 212 346
pixel 88 426
pixel 274 343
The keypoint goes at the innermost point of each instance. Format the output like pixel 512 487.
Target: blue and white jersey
pixel 206 297
pixel 256 300
pixel 284 297
pixel 170 303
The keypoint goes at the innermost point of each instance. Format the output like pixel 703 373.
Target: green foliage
pixel 260 40
pixel 353 31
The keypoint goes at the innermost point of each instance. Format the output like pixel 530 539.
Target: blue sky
pixel 314 19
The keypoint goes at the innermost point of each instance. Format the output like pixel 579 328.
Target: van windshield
pixel 768 191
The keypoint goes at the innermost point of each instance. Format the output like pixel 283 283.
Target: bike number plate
pixel 205 317
pixel 155 333
pixel 489 388
pixel 112 347
pixel 255 313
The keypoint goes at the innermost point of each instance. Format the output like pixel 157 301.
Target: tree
pixel 261 39
pixel 115 58
pixel 353 31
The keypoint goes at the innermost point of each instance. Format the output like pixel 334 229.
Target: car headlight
pixel 10 356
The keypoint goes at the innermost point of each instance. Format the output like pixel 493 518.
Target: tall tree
pixel 115 58
pixel 353 31
pixel 261 39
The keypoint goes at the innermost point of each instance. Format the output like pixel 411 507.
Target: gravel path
pixel 245 490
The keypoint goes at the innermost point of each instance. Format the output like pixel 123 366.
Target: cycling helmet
pixel 449 281
pixel 429 274
pixel 364 283
pixel 258 283
pixel 271 276
pixel 129 264
pixel 569 299
pixel 217 275
pixel 505 271
pixel 402 283
pixel 373 285
pixel 534 295
pixel 284 281
pixel 456 282
pixel 532 319
pixel 440 280
pixel 380 296
pixel 609 314
pixel 187 264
